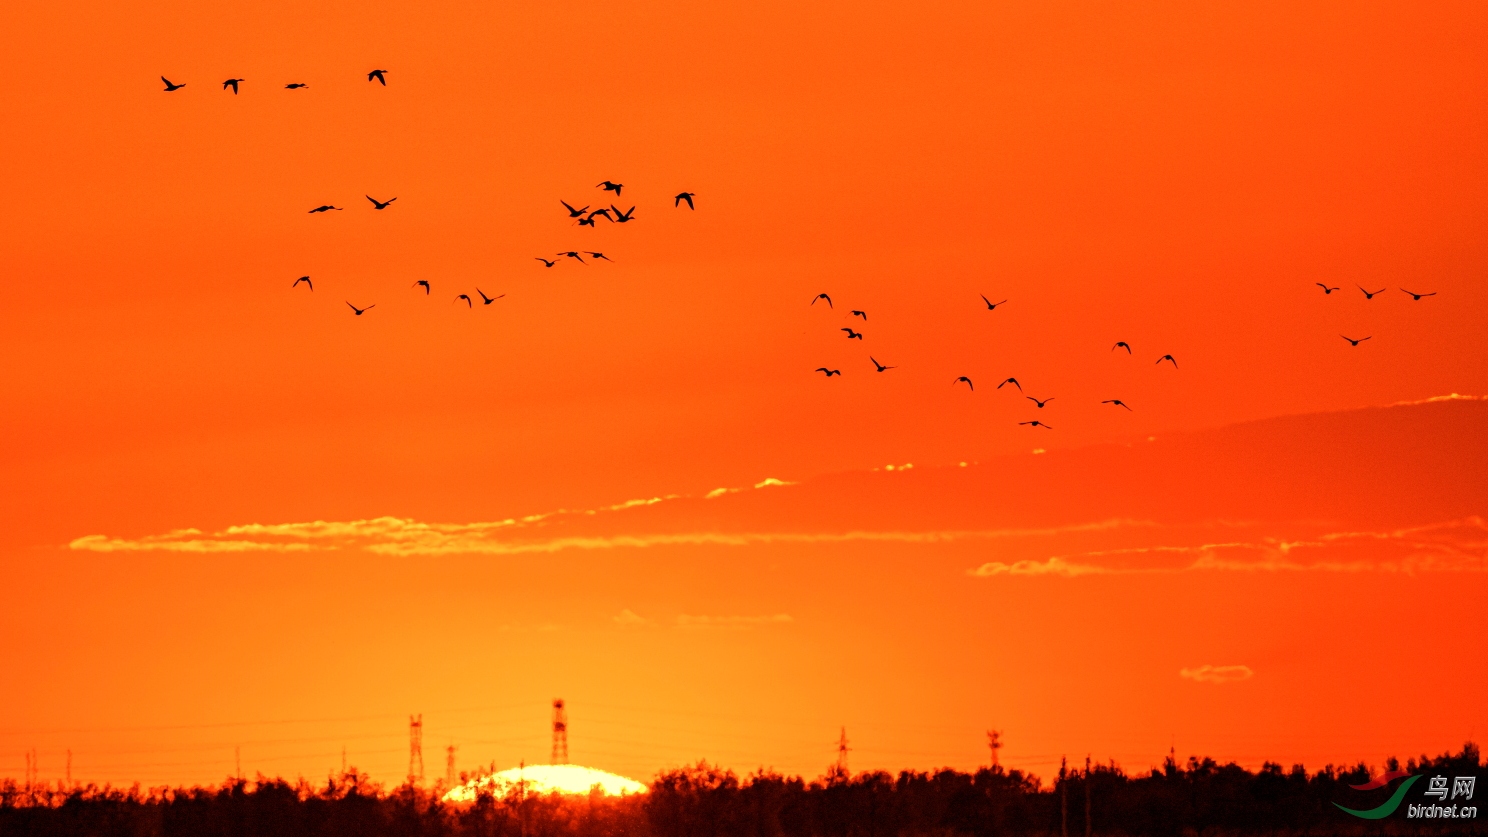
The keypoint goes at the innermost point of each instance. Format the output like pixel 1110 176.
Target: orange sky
pixel 1174 176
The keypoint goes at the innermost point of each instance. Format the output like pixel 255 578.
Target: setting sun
pixel 545 778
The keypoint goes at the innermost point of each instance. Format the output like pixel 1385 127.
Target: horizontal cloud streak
pixel 1451 546
pixel 1216 674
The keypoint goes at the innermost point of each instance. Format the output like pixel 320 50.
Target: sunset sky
pixel 238 516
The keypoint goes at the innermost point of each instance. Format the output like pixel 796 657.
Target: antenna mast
pixel 416 748
pixel 560 733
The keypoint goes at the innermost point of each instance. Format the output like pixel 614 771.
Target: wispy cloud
pixel 1439 398
pixel 630 618
pixel 1216 674
pixel 1450 546
pixel 733 622
pixel 1049 566
pixel 534 534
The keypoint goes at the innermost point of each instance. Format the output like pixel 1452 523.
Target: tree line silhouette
pixel 1201 797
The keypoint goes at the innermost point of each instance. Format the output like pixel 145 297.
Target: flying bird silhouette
pixel 1036 423
pixel 863 314
pixel 600 211
pixel 852 335
pixel 587 222
pixel 1369 294
pixel 574 213
pixel 611 187
pixel 830 372
pixel 1037 402
pixel 1353 342
pixel 967 380
pixel 425 283
pixel 991 306
pixel 377 204
pixel 360 311
pixel 465 297
pixel 233 83
pixel 377 74
pixel 306 280
pixel 879 366
pixel 1013 381
pixel 593 254
pixel 324 208
pixel 1122 344
pixel 1326 289
pixel 684 196
pixel 1169 359
pixel 169 87
pixel 573 254
pixel 621 217
pixel 1416 296
pixel 546 262
pixel 295 86
pixel 1117 401
pixel 822 296
pixel 487 299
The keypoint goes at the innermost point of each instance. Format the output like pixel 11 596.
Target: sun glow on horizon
pixel 543 779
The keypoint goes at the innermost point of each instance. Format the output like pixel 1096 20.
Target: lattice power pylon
pixel 560 733
pixel 416 749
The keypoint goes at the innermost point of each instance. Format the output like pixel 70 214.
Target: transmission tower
pixel 994 743
pixel 449 766
pixel 842 749
pixel 416 748
pixel 560 733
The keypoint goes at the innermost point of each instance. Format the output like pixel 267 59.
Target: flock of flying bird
pixel 1369 295
pixel 1038 403
pixel 585 217
pixel 853 334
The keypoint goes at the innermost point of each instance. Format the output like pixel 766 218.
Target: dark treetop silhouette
pixel 1173 799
